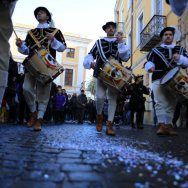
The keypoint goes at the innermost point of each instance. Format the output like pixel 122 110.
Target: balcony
pixel 150 35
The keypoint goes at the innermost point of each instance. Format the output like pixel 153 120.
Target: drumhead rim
pixel 166 82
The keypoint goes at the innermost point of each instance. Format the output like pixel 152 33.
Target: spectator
pixel 59 103
pixel 82 102
pixel 73 107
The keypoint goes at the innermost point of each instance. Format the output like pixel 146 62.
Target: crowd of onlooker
pixel 77 108
pixel 61 106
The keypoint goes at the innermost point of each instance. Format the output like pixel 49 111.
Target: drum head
pixel 168 76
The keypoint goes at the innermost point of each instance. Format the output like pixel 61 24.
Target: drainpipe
pixel 131 33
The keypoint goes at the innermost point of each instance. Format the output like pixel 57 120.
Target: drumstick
pixel 15 34
pixel 158 70
pixel 112 37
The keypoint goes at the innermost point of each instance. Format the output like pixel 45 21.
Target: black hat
pixel 138 76
pixel 172 29
pixel 43 9
pixel 82 90
pixel 107 24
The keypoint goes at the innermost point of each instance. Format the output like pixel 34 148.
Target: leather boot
pixel 32 119
pixel 171 131
pixel 109 129
pixel 162 129
pixel 166 129
pixel 99 122
pixel 38 124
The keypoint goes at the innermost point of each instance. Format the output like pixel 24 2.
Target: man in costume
pixel 103 49
pixel 161 60
pixel 6 28
pixel 52 39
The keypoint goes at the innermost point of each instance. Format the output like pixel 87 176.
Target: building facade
pixel 71 59
pixel 142 21
pixel 183 26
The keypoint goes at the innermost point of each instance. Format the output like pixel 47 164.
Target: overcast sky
pixel 84 17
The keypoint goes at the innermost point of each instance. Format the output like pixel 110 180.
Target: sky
pixel 84 17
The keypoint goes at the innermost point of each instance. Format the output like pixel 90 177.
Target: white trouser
pixel 165 102
pixel 6 29
pixel 101 91
pixel 34 92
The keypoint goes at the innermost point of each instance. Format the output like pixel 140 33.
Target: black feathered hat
pixel 172 29
pixel 43 9
pixel 108 24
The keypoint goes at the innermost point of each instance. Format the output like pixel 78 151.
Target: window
pixel 158 10
pixel 68 77
pixel 158 7
pixel 140 27
pixel 70 52
pixel 129 4
pixel 129 41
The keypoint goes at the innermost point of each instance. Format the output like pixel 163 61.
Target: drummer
pixel 53 40
pixel 159 61
pixel 104 48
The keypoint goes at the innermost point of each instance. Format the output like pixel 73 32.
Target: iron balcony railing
pixel 150 35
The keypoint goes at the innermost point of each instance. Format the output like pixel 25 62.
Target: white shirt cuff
pixel 124 51
pixel 149 65
pixel 56 45
pixel 87 61
pixel 183 61
pixel 23 49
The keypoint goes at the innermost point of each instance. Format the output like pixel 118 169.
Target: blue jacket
pixel 59 101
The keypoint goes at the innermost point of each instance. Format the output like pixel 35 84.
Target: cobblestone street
pixel 76 156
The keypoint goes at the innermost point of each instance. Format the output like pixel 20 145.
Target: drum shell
pixel 122 81
pixel 178 83
pixel 37 64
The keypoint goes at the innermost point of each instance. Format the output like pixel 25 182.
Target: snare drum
pixel 177 80
pixel 115 75
pixel 43 66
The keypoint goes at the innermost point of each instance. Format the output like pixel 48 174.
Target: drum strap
pixel 164 58
pixel 37 42
pixel 35 39
pixel 101 52
pixel 161 56
pixel 54 32
pixel 181 51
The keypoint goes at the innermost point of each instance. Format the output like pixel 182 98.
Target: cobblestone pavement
pixel 76 156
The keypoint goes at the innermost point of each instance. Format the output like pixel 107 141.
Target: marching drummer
pixel 103 49
pixel 159 61
pixel 52 39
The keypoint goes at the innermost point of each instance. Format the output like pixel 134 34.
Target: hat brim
pixel 172 29
pixel 43 9
pixel 108 24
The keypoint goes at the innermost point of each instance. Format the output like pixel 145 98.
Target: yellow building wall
pixel 73 64
pixel 144 6
pixel 138 57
